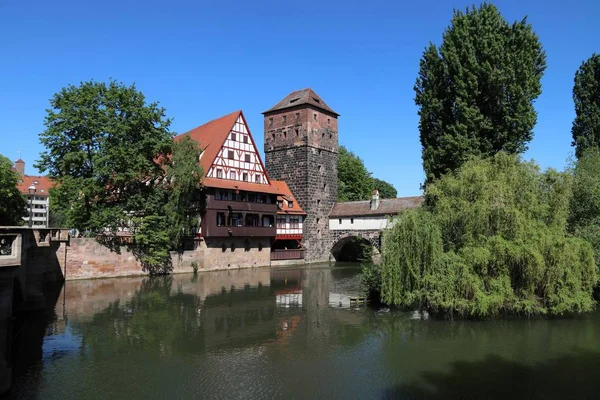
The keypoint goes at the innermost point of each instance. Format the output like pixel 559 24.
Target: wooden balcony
pixel 294 254
pixel 239 231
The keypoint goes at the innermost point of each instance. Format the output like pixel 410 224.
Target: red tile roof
pixel 386 207
pixel 286 194
pixel 42 186
pixel 211 137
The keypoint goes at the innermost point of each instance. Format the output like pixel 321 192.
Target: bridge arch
pixel 344 244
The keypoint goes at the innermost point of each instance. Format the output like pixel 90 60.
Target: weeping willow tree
pixel 491 239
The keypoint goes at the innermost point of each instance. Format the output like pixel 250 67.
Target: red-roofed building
pixel 238 221
pixel 40 200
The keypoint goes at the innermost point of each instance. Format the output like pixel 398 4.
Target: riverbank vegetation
pixel 491 239
pixel 12 202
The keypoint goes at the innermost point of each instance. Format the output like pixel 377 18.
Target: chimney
pixel 20 167
pixel 375 199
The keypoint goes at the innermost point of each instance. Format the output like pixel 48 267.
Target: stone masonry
pixel 301 147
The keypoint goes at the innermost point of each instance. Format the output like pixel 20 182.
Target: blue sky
pixel 204 59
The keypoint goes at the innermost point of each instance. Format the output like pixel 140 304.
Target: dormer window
pixel 290 204
pixel 280 204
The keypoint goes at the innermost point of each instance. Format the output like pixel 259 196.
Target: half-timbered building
pixel 290 217
pixel 239 210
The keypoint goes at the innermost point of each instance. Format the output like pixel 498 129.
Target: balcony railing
pixel 292 254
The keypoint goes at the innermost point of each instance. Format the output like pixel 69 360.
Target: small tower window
pixel 270 121
pixel 284 134
pixel 318 203
pixel 315 117
pixel 273 135
pixel 297 115
pixel 319 168
pixel 284 119
pixel 297 133
pixel 328 121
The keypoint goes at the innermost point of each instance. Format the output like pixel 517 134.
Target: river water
pixel 287 333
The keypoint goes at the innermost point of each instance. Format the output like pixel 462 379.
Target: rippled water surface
pixel 287 333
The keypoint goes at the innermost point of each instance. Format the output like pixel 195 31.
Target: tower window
pixel 328 121
pixel 273 135
pixel 297 115
pixel 233 136
pixel 219 173
pixel 324 186
pixel 284 119
pixel 247 157
pixel 315 117
pixel 270 121
pixel 297 134
pixel 319 168
pixel 284 134
pixel 323 134
pixel 318 203
pixel 230 154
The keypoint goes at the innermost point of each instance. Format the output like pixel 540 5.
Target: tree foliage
pixel 386 190
pixel 475 92
pixel 117 168
pixel 355 182
pixel 492 239
pixel 12 202
pixel 586 95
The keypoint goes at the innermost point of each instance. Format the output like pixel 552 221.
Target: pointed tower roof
pixel 301 97
pixel 211 136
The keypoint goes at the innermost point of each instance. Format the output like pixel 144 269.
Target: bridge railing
pixel 288 254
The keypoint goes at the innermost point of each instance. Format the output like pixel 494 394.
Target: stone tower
pixel 301 148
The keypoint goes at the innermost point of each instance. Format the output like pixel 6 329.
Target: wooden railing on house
pixel 292 254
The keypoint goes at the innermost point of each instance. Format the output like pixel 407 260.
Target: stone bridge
pixel 339 238
pixel 31 262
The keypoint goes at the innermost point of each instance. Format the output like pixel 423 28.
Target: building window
pixel 319 168
pixel 237 219
pixel 257 179
pixel 297 115
pixel 280 204
pixel 281 222
pixel 251 197
pixel 284 119
pixel 232 175
pixel 245 176
pixel 294 222
pixel 245 138
pixel 351 220
pixel 290 204
pixel 221 221
pixel 340 220
pixel 233 136
pixel 271 122
pixel 230 154
pixel 297 133
pixel 315 117
pixel 324 186
pixel 252 220
pixel 318 203
pixel 247 157
pixel 219 173
pixel 284 134
pixel 273 135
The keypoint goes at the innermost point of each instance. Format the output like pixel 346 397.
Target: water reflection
pixel 260 333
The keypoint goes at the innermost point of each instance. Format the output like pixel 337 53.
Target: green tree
pixel 492 239
pixel 12 202
pixel 102 142
pixel 354 180
pixel 117 167
pixel 475 92
pixel 586 95
pixel 386 190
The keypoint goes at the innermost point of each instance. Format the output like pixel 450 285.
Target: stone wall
pixel 86 258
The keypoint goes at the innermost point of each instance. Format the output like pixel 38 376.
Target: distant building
pixel 40 200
